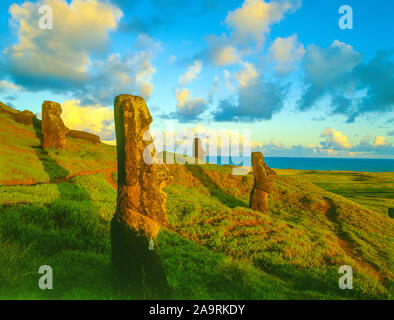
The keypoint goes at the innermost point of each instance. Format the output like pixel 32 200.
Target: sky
pixel 284 71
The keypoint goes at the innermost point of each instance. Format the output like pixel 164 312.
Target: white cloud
pixel 188 108
pixel 191 73
pixel 95 119
pixel 379 141
pixel 131 73
pixel 285 52
pixel 247 75
pixel 254 19
pixel 5 85
pixel 63 58
pixel 227 55
pixel 80 29
pixel 335 139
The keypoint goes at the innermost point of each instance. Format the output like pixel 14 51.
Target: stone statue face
pixel 132 121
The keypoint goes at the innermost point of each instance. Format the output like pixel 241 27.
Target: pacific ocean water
pixel 320 164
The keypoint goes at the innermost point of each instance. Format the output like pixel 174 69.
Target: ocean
pixel 320 164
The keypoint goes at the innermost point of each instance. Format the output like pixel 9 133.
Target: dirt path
pixel 107 171
pixel 332 216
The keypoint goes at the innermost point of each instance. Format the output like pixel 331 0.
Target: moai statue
pixel 140 207
pixel 263 177
pixel 198 151
pixel 52 127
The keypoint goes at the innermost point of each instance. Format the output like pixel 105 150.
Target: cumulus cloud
pixel 325 69
pixel 257 99
pixel 374 146
pixel 335 139
pixel 221 51
pixel 189 109
pixel 60 56
pixel 71 57
pixel 247 75
pixel 253 20
pixel 336 144
pixel 286 52
pixel 277 149
pixel 191 73
pixel 95 119
pixel 355 88
pixel 226 56
pixel 379 141
pixel 118 74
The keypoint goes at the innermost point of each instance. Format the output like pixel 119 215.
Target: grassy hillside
pixel 56 207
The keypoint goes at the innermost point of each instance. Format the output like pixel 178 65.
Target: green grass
pixel 371 190
pixel 217 247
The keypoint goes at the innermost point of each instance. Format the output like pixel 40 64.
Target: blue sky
pixel 282 69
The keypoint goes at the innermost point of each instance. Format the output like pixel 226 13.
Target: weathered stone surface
pixel 140 207
pixel 24 117
pixel 53 129
pixel 84 136
pixel 263 177
pixel 198 151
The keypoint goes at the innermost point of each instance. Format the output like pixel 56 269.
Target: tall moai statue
pixel 52 127
pixel 198 151
pixel 140 209
pixel 263 177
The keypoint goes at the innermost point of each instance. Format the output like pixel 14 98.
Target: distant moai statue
pixel 263 177
pixel 391 212
pixel 52 127
pixel 140 209
pixel 198 151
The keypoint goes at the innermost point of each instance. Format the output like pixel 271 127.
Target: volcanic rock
pixel 140 207
pixel 53 129
pixel 263 178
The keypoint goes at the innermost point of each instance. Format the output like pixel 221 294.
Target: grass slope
pixel 56 207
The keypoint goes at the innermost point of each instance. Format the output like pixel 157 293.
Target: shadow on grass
pixel 214 189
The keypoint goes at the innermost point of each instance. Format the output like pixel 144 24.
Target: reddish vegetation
pixel 29 182
pixel 6 126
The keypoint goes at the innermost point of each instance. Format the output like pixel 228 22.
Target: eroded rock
pixel 53 129
pixel 263 178
pixel 140 207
